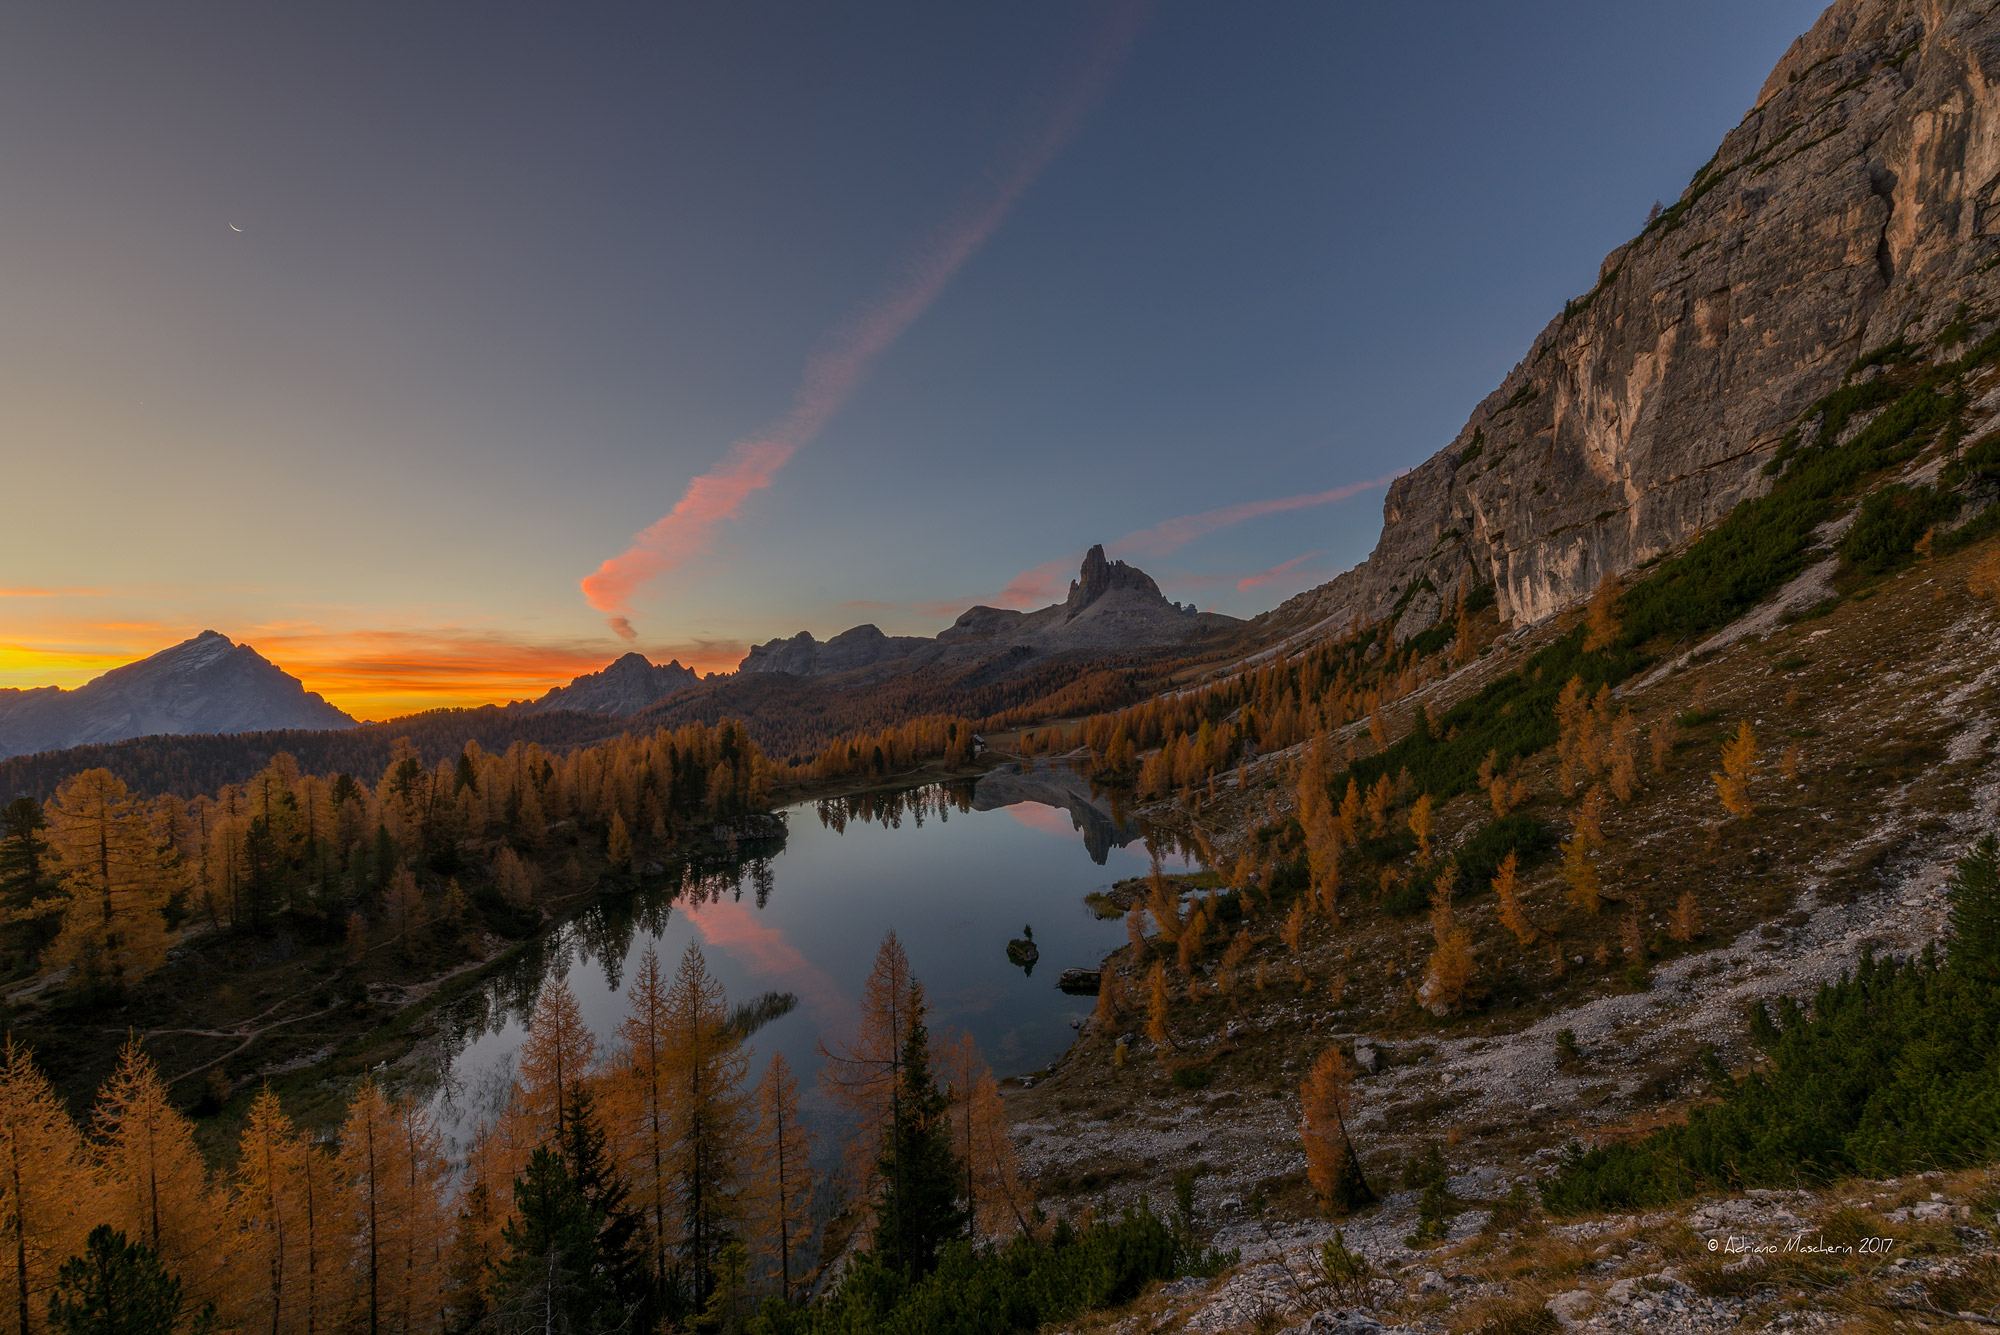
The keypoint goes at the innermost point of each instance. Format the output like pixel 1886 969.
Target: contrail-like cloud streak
pixel 1275 572
pixel 1170 535
pixel 834 372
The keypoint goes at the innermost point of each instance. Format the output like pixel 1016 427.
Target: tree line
pixel 625 1187
pixel 100 881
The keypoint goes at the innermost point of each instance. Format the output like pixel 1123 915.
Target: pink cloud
pixel 1049 820
pixel 1265 577
pixel 733 929
pixel 1050 580
pixel 1170 535
pixel 834 372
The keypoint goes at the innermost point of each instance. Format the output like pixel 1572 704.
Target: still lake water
pixel 957 870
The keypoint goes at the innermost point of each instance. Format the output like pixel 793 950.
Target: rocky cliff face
pixel 1857 202
pixel 623 688
pixel 804 656
pixel 204 685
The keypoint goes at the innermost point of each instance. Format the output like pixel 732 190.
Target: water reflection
pixel 957 869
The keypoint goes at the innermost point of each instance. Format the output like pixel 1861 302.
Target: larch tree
pixel 117 882
pixel 640 1098
pixel 994 1196
pixel 781 1176
pixel 1507 898
pixel 709 1119
pixel 368 1169
pixel 159 1192
pixel 560 1050
pixel 862 1077
pixel 268 1293
pixel 418 1231
pixel 1326 1100
pixel 1739 762
pixel 1448 975
pixel 1157 1004
pixel 1420 826
pixel 49 1191
pixel 1601 626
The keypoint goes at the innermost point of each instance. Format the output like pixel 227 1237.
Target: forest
pixel 653 1182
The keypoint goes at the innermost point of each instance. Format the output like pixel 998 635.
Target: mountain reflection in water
pixel 946 865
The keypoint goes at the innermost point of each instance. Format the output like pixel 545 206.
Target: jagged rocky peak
pixel 1099 576
pixel 1856 203
pixel 624 687
pixel 857 647
pixel 208 684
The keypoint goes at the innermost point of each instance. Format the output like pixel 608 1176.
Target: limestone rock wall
pixel 1857 202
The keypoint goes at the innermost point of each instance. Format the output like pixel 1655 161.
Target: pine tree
pixel 48 1188
pixel 604 1191
pixel 550 1279
pixel 918 1211
pixel 1975 912
pixel 116 1287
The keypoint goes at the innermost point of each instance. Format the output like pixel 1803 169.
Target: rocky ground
pixel 1889 700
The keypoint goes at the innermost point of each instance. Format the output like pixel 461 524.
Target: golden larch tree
pixel 1448 974
pixel 49 1190
pixel 1739 762
pixel 710 1124
pixel 1600 622
pixel 1158 1001
pixel 159 1191
pixel 863 1077
pixel 1507 900
pixel 781 1176
pixel 1420 826
pixel 639 1113
pixel 993 1191
pixel 560 1051
pixel 1326 1101
pixel 115 879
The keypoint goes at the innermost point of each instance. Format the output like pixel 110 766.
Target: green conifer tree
pixel 117 1287
pixel 1975 912
pixel 920 1209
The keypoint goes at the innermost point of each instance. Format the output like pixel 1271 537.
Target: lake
pixel 956 869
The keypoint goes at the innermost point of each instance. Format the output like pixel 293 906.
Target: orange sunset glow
pixel 371 673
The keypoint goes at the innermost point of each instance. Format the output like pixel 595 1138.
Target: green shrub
pixel 1896 1069
pixel 1891 522
pixel 988 1290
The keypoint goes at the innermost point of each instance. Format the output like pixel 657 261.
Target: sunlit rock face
pixel 1857 202
pixel 204 685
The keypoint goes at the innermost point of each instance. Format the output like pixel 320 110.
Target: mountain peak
pixel 207 684
pixel 621 688
pixel 1099 576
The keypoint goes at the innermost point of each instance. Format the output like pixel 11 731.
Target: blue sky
pixel 509 280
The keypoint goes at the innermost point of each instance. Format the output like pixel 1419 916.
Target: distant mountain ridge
pixel 208 684
pixel 621 689
pixel 1111 606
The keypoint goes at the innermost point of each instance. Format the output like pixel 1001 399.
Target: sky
pixel 444 353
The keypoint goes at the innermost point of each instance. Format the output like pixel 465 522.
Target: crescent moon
pixel 234 228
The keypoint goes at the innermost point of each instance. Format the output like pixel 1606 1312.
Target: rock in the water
pixel 1080 982
pixel 1023 953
